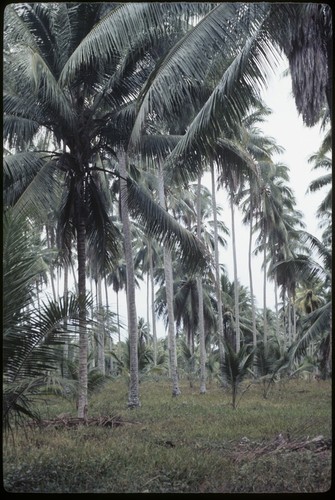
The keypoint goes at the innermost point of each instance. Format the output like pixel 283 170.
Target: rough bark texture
pixel 133 398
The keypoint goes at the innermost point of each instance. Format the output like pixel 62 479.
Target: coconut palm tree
pixel 55 82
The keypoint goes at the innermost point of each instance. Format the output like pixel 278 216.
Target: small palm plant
pixel 236 366
pixel 270 361
pixel 32 332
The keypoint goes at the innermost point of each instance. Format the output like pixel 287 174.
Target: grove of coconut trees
pixel 114 117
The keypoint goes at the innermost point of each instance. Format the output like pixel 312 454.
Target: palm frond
pixel 319 321
pixel 159 224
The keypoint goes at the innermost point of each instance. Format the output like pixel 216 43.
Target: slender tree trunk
pixel 276 308
pixel 110 340
pixel 66 345
pixel 253 312
pixel 294 333
pixel 201 323
pixel 153 315
pixel 118 317
pixel 133 399
pixel 169 298
pixel 75 281
pixel 51 267
pixel 101 333
pixel 289 317
pixel 92 343
pixel 236 285
pixel 83 339
pixel 264 292
pixel 217 271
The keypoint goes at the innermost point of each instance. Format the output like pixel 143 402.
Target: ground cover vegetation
pixel 195 443
pixel 113 115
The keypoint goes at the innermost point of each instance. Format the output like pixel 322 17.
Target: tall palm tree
pixel 201 301
pixel 54 81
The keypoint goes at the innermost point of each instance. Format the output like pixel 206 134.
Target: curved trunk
pixel 218 291
pixel 236 285
pixel 169 298
pixel 201 323
pixel 83 339
pixel 133 399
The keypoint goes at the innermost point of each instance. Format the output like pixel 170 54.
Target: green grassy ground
pixel 193 443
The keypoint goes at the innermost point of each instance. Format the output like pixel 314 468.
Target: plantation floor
pixel 190 444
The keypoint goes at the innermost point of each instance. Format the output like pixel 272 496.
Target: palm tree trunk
pixel 169 298
pixel 201 323
pixel 253 313
pixel 83 339
pixel 236 285
pixel 101 333
pixel 276 307
pixel 153 316
pixel 289 318
pixel 264 293
pixel 133 399
pixel 51 267
pixel 110 340
pixel 66 345
pixel 217 270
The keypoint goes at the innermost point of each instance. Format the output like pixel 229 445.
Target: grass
pixel 186 444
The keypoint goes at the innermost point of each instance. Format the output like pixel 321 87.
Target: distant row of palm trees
pixel 108 107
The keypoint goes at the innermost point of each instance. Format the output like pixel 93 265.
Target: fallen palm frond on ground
pixel 249 450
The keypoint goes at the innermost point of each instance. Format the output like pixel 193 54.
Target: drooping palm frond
pixel 30 183
pixel 159 224
pixel 112 35
pixel 316 245
pixel 315 324
pixel 227 103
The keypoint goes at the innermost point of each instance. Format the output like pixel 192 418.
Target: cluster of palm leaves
pixel 107 108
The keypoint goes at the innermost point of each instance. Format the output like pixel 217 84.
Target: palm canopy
pixel 244 41
pixel 53 82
